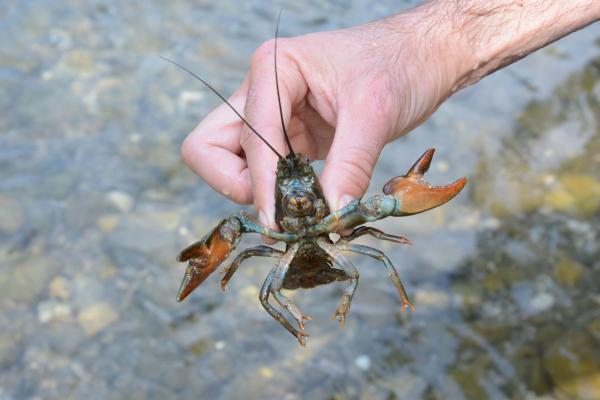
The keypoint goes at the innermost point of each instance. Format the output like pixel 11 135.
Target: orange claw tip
pixel 194 276
pixel 422 164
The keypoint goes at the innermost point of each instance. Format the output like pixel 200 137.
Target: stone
pixel 96 317
pixel 107 223
pixel 266 372
pixel 431 298
pixel 53 311
pixel 577 194
pixel 59 288
pixel 363 362
pixel 594 328
pixel 120 200
pixel 405 386
pixel 573 366
pixel 542 302
pixel 25 280
pixel 10 349
pixel 80 60
pixel 568 272
pixel 12 214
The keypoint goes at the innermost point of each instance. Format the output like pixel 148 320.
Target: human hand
pixel 347 93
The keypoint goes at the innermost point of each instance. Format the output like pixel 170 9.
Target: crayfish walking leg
pixel 258 251
pixel 272 285
pixel 343 263
pixel 376 233
pixel 391 270
pixel 278 280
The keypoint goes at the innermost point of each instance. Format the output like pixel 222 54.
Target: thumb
pixel 349 164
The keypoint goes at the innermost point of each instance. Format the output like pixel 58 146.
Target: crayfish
pixel 311 258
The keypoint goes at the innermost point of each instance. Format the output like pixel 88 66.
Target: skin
pixel 347 93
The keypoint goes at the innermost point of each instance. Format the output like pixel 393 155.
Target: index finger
pixel 262 111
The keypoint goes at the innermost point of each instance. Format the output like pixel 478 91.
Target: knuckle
pixel 187 149
pixel 263 53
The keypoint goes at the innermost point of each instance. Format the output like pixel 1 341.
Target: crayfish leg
pixel 341 262
pixel 267 289
pixel 258 251
pixel 391 270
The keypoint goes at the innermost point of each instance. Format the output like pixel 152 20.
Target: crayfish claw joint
pixel 415 194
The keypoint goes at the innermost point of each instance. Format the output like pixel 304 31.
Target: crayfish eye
pixel 305 178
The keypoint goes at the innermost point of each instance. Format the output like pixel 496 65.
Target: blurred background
pixel 95 203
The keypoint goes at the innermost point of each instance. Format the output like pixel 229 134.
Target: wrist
pixel 429 53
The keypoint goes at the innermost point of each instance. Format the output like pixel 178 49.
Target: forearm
pixel 496 33
pixel 461 41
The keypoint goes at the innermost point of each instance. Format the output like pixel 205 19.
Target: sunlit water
pixel 95 204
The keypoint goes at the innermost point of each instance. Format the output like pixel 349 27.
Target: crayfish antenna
pixel 287 138
pixel 226 102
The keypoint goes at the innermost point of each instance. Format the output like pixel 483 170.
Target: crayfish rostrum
pixel 311 257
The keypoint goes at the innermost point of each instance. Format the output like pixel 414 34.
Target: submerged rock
pixel 573 366
pixel 568 272
pixel 12 214
pixel 97 317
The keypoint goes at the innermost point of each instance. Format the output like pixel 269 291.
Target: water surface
pixel 95 203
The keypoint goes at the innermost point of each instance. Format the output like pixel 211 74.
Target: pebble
pixel 219 345
pixel 96 317
pixel 189 97
pixel 363 362
pixel 120 200
pixel 48 311
pixel 249 294
pixel 266 372
pixel 573 366
pixel 107 223
pixel 12 214
pixel 59 287
pixel 542 302
pixel 429 297
pixel 568 272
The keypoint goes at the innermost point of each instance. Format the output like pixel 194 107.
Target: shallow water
pixel 95 204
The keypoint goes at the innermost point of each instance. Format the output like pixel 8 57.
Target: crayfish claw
pixel 422 164
pixel 414 194
pixel 206 255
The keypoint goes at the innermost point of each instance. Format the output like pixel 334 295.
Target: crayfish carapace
pixel 310 257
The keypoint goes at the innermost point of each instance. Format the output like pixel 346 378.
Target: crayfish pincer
pixel 311 258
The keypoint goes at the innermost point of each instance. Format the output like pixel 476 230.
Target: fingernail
pixel 262 218
pixel 344 201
